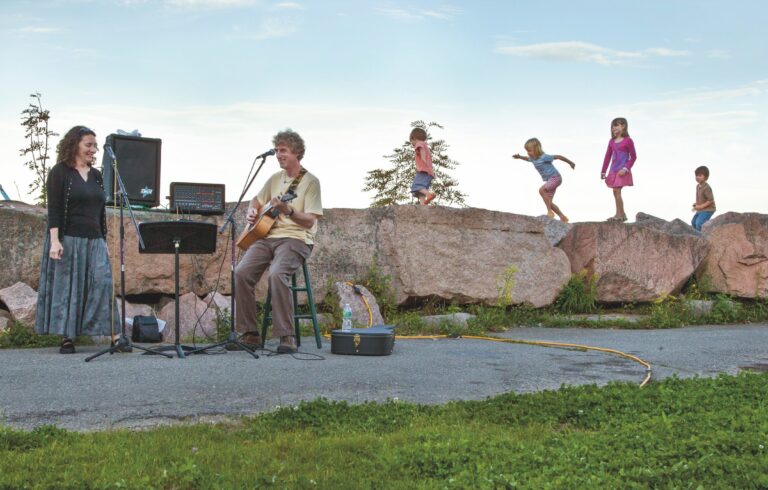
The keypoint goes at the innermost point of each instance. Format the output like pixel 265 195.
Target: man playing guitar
pixel 284 248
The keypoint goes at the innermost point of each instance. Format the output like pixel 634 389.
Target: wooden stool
pixel 295 289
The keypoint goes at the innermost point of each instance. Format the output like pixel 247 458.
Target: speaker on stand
pixel 138 161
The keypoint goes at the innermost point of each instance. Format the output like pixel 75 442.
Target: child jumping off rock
pixel 552 179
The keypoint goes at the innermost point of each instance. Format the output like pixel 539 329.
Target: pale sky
pixel 215 79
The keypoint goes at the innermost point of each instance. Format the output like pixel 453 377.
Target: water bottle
pixel 346 322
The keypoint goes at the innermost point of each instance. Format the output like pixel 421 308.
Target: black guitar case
pixel 374 341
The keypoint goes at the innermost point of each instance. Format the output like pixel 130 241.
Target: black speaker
pixel 138 161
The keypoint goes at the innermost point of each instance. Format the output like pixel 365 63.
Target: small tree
pixel 393 185
pixel 35 123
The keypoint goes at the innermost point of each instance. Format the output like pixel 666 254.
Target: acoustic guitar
pixel 264 222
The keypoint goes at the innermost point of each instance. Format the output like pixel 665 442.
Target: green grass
pixel 695 433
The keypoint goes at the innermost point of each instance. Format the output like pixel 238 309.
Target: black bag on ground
pixel 145 329
pixel 374 341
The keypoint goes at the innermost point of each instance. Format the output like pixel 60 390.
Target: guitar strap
pixel 295 183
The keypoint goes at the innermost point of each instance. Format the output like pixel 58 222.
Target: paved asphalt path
pixel 40 386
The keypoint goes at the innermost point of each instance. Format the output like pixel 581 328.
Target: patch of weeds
pixel 505 285
pixel 579 295
pixel 330 305
pixel 698 287
pixel 498 319
pixel 13 440
pixel 18 335
pixel 380 285
pixel 223 324
pixel 411 323
pixel 725 310
pixel 669 312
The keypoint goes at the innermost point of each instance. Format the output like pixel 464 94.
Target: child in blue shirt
pixel 552 179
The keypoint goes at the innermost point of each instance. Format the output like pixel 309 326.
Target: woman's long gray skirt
pixel 75 295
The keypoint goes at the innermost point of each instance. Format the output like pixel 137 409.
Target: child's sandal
pixel 67 346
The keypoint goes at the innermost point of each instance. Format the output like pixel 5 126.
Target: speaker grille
pixel 138 162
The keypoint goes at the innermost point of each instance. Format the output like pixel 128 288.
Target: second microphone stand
pixel 232 338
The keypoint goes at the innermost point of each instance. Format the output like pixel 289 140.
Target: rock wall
pixel 467 255
pixel 21 243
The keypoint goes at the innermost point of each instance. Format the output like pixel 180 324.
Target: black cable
pixel 215 289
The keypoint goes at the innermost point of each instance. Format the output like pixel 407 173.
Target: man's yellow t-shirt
pixel 307 201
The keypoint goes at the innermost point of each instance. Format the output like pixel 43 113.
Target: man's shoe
pixel 250 339
pixel 287 345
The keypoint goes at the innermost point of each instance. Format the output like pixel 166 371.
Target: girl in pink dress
pixel 621 156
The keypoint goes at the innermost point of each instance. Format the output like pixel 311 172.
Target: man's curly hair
pixel 292 140
pixel 67 147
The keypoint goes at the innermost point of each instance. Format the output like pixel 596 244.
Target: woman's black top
pixel 76 206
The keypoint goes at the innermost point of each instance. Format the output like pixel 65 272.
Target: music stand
pixel 177 237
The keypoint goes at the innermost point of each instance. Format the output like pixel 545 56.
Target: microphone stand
pixel 229 221
pixel 123 342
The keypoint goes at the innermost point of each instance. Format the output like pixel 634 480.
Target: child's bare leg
pixel 547 201
pixel 619 202
pixel 559 213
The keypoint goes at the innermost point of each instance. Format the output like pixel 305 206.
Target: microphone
pixel 109 151
pixel 267 153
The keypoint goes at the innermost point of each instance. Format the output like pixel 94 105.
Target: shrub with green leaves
pixel 579 295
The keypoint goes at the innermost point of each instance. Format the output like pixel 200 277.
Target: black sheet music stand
pixel 178 237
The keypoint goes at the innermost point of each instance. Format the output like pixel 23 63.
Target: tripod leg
pixel 122 342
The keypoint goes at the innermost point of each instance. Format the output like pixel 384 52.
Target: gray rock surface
pixel 460 319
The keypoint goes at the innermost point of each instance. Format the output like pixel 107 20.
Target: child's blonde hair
pixel 621 120
pixel 535 146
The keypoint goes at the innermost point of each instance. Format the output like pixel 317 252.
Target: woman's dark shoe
pixel 67 346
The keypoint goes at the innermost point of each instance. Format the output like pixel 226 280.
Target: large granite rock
pixel 21 301
pixel 21 242
pixel 737 262
pixel 195 318
pixel 633 262
pixel 362 315
pixel 467 255
pixel 674 227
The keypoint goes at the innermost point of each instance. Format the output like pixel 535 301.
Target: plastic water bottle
pixel 346 322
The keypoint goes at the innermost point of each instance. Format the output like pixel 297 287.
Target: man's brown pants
pixel 283 257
